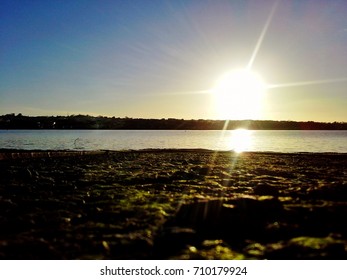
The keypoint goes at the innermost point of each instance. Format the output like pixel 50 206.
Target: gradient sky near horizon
pixel 158 58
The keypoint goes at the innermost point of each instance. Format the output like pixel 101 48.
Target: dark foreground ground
pixel 164 204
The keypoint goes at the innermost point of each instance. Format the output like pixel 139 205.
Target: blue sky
pixel 158 59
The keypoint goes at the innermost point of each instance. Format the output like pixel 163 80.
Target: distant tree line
pixel 13 121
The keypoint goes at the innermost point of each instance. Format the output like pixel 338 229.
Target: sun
pixel 239 95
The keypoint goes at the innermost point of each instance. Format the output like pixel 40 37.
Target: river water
pixel 238 140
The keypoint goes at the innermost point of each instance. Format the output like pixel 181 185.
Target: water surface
pixel 252 140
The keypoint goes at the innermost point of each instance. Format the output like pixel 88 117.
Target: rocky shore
pixel 172 204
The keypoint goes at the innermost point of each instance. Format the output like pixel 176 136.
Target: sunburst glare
pixel 239 94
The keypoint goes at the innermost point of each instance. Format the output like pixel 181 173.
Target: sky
pixel 163 59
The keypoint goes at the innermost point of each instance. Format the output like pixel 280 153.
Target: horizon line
pixel 165 118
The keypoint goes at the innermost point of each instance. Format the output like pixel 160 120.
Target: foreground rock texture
pixel 172 204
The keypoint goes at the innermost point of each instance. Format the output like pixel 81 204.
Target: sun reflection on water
pixel 241 140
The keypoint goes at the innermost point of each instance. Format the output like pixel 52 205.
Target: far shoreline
pixel 19 121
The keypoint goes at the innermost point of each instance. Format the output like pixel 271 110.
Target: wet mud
pixel 172 204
